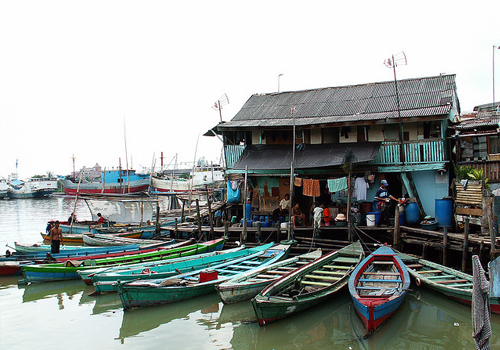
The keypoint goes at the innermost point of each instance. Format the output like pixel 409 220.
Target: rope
pixel 481 323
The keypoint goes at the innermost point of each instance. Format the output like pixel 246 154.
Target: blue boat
pixel 378 286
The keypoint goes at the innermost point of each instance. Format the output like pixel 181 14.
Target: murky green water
pixel 61 315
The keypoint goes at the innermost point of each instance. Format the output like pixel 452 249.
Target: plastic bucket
pixel 372 218
pixel 412 214
pixel 444 212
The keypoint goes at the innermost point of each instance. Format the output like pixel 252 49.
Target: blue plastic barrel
pixel 248 213
pixel 402 218
pixel 444 212
pixel 412 214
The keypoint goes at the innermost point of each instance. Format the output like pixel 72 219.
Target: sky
pixel 110 81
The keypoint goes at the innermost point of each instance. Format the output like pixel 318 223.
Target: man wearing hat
pixel 384 198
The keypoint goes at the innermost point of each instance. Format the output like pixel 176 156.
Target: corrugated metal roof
pixel 482 121
pixel 373 101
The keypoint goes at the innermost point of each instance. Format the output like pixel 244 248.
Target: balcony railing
pixel 415 152
pixel 233 153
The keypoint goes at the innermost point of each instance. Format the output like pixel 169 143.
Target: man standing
pixel 56 238
pixel 384 198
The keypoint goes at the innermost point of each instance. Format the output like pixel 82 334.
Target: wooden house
pixel 365 130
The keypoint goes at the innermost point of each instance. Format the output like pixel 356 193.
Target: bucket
pixel 444 212
pixel 412 214
pixel 372 218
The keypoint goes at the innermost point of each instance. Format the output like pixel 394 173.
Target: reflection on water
pixel 426 320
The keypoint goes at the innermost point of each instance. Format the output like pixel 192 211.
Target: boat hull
pixel 70 188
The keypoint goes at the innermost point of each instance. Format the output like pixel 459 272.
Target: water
pixel 61 315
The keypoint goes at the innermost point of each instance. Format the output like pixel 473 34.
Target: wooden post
pixel 259 232
pixel 198 216
pixel 397 231
pixel 445 246
pixel 226 229
pixel 176 231
pixel 182 211
pixel 157 230
pixel 424 251
pixel 243 238
pixel 349 220
pixel 211 235
pixel 466 245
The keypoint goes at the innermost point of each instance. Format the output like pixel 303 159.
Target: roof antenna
pixel 222 101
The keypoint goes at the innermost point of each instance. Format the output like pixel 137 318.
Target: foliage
pixel 469 172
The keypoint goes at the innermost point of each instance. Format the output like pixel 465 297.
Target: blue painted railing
pixel 415 152
pixel 233 153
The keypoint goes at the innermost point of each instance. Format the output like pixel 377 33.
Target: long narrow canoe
pixel 452 283
pixel 250 284
pixel 106 280
pixel 308 285
pixel 378 287
pixel 78 237
pixel 69 270
pixel 190 285
pixel 99 239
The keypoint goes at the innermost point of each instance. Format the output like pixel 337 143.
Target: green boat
pixel 248 285
pixel 69 269
pixel 190 285
pixel 308 285
pixel 106 280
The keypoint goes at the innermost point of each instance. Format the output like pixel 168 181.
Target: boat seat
pixel 381 262
pixel 227 271
pixel 277 272
pixel 368 288
pixel 346 260
pixel 414 266
pixel 303 262
pixel 337 267
pixel 286 268
pixel 377 280
pixel 313 283
pixel 442 276
pixel 242 267
pixel 251 262
pixel 382 273
pixel 323 278
pixel 266 277
pixel 430 271
pixel 329 272
pixel 451 281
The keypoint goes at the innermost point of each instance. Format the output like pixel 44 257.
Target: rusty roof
pixel 421 97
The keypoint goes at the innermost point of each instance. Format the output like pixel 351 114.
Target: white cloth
pixel 318 212
pixel 360 188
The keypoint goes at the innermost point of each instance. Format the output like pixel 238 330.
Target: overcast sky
pixel 75 75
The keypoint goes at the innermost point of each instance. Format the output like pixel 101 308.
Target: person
pixel 49 227
pixel 72 218
pixel 56 238
pixel 283 208
pixel 317 214
pixel 384 203
pixel 101 219
pixel 298 217
pixel 327 215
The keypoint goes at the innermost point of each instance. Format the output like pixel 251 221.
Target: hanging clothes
pixel 337 185
pixel 360 188
pixel 233 195
pixel 311 188
pixel 298 182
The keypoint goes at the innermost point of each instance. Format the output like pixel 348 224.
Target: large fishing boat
pixel 110 181
pixel 199 178
pixel 4 188
pixel 34 187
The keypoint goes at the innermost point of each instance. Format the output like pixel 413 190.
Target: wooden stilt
pixel 466 245
pixel 445 246
pixel 397 230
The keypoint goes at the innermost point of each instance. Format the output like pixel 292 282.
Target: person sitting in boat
pixel 72 218
pixel 56 238
pixel 49 227
pixel 101 220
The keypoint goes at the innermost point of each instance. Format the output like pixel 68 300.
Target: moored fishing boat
pixel 250 284
pixel 77 238
pixel 308 285
pixel 189 285
pixel 105 280
pixel 69 270
pixel 198 179
pixel 452 283
pixel 378 286
pixel 96 239
pixel 34 187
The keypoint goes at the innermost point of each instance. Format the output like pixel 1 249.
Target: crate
pixel 208 275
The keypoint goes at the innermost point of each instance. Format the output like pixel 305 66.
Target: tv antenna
pixel 222 101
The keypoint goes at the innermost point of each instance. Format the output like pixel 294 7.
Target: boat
pixel 308 285
pixel 378 286
pixel 451 283
pixel 99 239
pixel 36 251
pixel 4 188
pixel 248 285
pixel 69 269
pixel 201 177
pixel 110 181
pixel 105 280
pixel 193 284
pixel 77 238
pixel 34 187
pixel 12 267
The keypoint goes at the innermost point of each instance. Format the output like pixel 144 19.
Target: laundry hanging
pixel 336 185
pixel 360 188
pixel 311 188
pixel 298 182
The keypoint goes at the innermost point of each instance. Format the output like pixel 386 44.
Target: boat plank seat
pixel 382 262
pixel 346 260
pixel 228 271
pixel 314 283
pixel 251 262
pixel 368 288
pixel 286 268
pixel 430 271
pixel 415 266
pixel 337 267
pixel 331 273
pixel 452 281
pixel 382 273
pixel 377 280
pixel 441 276
pixel 266 277
pixel 242 267
pixel 326 278
pixel 277 272
pixel 464 286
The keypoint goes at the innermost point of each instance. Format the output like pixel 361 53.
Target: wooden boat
pixel 97 239
pixel 308 285
pixel 105 280
pixel 452 283
pixel 193 284
pixel 69 269
pixel 248 285
pixel 78 237
pixel 378 286
pixel 12 267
